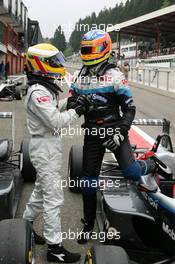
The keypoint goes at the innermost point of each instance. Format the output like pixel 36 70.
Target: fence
pixel 159 78
pixel 154 77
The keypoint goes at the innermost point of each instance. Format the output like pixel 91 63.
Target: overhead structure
pixel 152 25
pixel 34 33
pixel 13 34
pixel 17 32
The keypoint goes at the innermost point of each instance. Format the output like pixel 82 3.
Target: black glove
pixel 82 105
pixel 71 102
pixel 114 141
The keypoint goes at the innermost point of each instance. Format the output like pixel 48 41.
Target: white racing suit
pixel 45 115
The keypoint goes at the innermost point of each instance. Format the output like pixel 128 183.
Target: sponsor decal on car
pixel 169 231
pixel 152 202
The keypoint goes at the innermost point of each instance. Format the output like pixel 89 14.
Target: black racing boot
pixel 57 253
pixel 85 234
pixel 89 208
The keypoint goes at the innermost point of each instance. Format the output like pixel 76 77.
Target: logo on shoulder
pixel 43 99
pixel 125 82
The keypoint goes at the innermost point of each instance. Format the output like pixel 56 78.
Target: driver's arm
pixel 72 98
pixel 62 104
pixel 125 100
pixel 48 113
pixel 128 109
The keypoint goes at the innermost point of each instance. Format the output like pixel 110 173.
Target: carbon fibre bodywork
pixel 10 173
pixel 141 222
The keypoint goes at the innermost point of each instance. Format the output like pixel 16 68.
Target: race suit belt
pixel 103 120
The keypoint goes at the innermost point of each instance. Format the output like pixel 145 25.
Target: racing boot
pixel 57 253
pixel 153 165
pixel 147 167
pixel 86 232
pixel 89 206
pixel 147 188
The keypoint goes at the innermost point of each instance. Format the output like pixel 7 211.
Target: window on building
pixel 2 33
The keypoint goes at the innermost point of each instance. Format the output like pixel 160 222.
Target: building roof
pixel 148 25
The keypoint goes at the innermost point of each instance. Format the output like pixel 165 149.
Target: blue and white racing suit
pixel 114 108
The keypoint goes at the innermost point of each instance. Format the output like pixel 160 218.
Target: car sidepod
pixel 128 222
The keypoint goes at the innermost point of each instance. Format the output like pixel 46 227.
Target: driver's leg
pixel 132 169
pixel 93 153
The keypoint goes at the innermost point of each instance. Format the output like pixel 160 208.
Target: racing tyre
pixel 18 93
pixel 106 254
pixel 75 167
pixel 16 242
pixel 28 171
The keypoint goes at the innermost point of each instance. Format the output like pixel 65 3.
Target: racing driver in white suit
pixel 45 116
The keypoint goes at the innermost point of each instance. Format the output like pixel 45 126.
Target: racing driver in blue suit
pixel 112 108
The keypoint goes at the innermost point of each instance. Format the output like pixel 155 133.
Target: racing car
pixel 16 237
pixel 11 89
pixel 140 221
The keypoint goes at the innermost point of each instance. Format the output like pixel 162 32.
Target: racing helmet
pixel 45 60
pixel 95 47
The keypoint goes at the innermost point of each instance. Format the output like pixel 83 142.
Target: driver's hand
pixel 82 105
pixel 114 142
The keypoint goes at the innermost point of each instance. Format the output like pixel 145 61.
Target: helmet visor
pixel 93 50
pixel 57 60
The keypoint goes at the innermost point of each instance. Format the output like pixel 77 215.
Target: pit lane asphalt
pixel 149 105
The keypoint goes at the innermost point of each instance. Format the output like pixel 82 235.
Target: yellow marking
pixel 89 257
pixel 30 256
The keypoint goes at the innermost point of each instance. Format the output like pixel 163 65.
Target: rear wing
pixel 10 115
pixel 164 123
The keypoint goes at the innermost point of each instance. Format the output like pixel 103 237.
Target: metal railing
pixel 159 78
pixel 154 77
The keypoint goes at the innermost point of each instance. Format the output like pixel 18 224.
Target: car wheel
pixel 18 93
pixel 106 254
pixel 75 167
pixel 28 171
pixel 16 242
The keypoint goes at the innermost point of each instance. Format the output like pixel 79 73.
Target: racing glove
pixel 71 101
pixel 81 105
pixel 114 142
